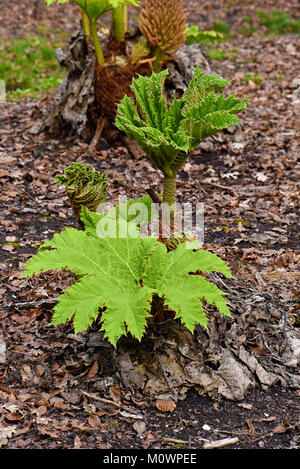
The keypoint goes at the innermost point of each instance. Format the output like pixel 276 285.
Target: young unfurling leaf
pixel 84 187
pixel 169 134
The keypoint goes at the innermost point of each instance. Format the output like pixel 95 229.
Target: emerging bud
pixel 163 23
pixel 84 187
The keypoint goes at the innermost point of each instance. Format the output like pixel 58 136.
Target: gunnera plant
pixel 168 134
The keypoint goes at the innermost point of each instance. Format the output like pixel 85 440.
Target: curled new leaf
pixel 85 187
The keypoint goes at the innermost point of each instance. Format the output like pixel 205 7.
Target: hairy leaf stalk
pixel 96 41
pixel 169 196
pixel 119 22
pixel 169 200
pixel 85 25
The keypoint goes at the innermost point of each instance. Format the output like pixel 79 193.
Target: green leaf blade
pixel 71 249
pixel 186 304
pixel 186 260
pixel 81 302
pixel 137 304
pixel 170 276
pixel 150 99
pixel 120 275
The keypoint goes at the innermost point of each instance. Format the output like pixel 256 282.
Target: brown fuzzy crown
pixel 163 23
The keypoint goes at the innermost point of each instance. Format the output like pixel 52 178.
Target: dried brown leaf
pixel 39 370
pixel 165 405
pixel 41 410
pixel 139 426
pixel 14 417
pixel 60 404
pixel 259 351
pixel 43 430
pixel 241 339
pixel 94 421
pixel 115 393
pixel 77 442
pixel 245 406
pixel 93 370
pixel 265 419
pixel 5 433
pixel 282 428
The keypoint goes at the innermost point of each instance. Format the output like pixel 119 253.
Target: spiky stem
pixel 169 196
pixel 119 22
pixel 169 200
pixel 96 41
pixel 159 59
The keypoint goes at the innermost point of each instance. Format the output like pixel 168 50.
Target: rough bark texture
pixel 89 93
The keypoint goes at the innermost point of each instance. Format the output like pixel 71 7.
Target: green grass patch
pixel 195 35
pixel 255 78
pixel 221 27
pixel 220 54
pixel 280 77
pixel 248 28
pixel 278 22
pixel 29 66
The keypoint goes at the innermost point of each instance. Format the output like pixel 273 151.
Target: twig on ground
pixel 49 303
pixel 220 443
pixel 100 126
pixel 126 412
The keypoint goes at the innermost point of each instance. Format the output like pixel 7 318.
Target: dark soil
pixel 248 182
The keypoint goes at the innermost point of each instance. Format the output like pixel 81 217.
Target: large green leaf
pixel 96 8
pixel 139 211
pixel 121 275
pixel 150 99
pixel 168 135
pixel 170 276
pixel 200 86
pixel 112 269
